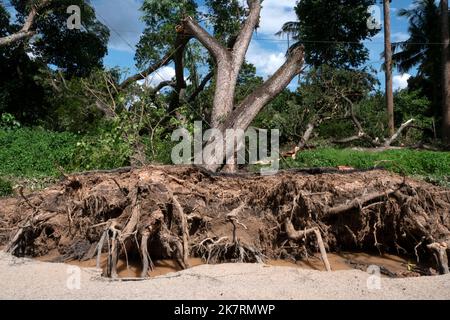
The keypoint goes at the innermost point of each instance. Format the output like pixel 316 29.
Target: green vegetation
pixel 35 152
pixel 432 165
pixel 38 153
pixel 345 23
pixel 5 188
pixel 61 109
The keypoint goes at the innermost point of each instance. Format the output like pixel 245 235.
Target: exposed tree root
pixel 219 251
pixel 440 253
pixel 301 235
pixel 177 212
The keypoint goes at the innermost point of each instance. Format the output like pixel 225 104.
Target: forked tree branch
pixel 26 31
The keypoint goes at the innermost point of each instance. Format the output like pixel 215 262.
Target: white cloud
pixel 401 81
pixel 399 36
pixel 379 35
pixel 266 61
pixel 274 14
pixel 266 55
pixel 122 17
pixel 164 74
pixel 395 37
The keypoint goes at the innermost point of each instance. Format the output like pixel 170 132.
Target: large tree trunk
pixel 225 115
pixel 388 66
pixel 445 74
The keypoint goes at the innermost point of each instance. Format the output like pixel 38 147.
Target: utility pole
pixel 445 73
pixel 388 66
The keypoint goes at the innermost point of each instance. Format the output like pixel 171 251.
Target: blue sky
pixel 267 52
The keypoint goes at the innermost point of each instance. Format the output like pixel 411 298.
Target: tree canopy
pixel 73 52
pixel 332 31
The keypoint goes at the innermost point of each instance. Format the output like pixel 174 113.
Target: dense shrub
pixel 109 146
pixel 35 152
pixel 5 188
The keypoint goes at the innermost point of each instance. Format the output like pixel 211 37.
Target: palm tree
pixel 292 31
pixel 422 50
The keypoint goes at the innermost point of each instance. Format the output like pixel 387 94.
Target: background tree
pixel 388 66
pixel 445 73
pixel 331 31
pixel 422 50
pixel 26 30
pixel 74 51
pixel 22 63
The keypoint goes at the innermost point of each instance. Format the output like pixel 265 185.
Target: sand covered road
pixel 30 279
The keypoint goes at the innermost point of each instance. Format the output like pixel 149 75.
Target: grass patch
pixel 33 153
pixel 433 166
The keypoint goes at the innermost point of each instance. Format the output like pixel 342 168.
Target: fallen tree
pixel 180 212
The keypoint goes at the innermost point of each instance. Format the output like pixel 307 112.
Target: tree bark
pixel 225 78
pixel 388 66
pixel 445 73
pixel 247 110
pixel 228 62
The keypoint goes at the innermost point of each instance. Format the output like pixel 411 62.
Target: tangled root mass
pixel 179 212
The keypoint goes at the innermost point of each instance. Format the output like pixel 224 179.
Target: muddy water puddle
pixel 390 265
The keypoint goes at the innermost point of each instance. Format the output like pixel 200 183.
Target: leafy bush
pixel 109 146
pixel 27 152
pixel 5 188
pixel 411 104
pixel 159 150
pixel 372 114
pixel 77 102
pixel 8 122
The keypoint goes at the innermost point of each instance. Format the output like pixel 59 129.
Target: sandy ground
pixel 30 279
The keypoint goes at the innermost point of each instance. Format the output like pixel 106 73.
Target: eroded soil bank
pixel 181 213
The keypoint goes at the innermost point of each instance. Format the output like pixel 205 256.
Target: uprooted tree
pixel 228 54
pixel 179 212
pixel 327 94
pixel 225 114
